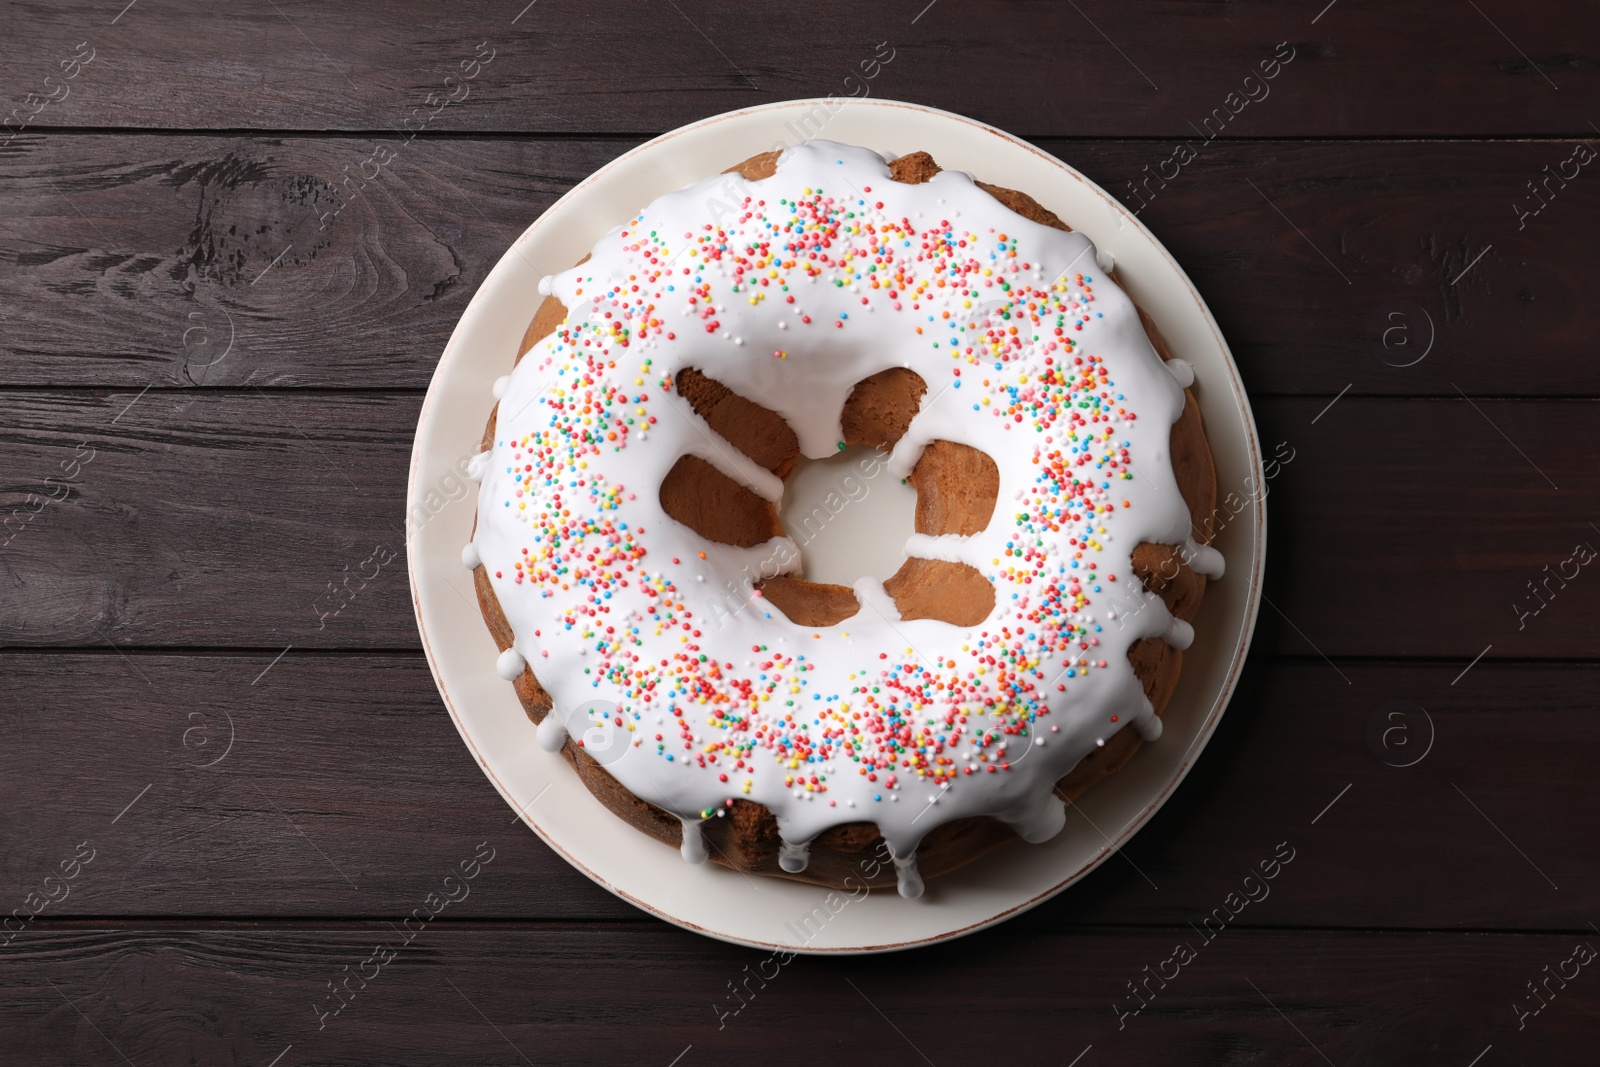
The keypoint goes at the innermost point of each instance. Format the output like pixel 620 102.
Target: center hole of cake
pixel 849 516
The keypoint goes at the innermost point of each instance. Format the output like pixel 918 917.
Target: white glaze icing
pixel 908 880
pixel 500 385
pixel 510 664
pixel 1040 820
pixel 872 596
pixel 694 840
pixel 469 556
pixel 552 732
pixel 794 857
pixel 812 279
pixel 1180 635
pixel 1181 370
pixel 1205 560
pixel 952 548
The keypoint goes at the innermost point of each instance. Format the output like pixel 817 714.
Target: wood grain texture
pixel 486 994
pixel 346 791
pixel 243 518
pixel 1097 69
pixel 209 669
pixel 193 261
pixel 300 505
pixel 140 259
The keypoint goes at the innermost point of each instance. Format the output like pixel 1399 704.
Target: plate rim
pixel 1212 718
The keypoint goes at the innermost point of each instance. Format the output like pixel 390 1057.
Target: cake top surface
pixel 655 645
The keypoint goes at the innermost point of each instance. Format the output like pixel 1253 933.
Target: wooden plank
pixel 1095 70
pixel 346 791
pixel 181 701
pixel 1433 528
pixel 493 994
pixel 255 785
pixel 303 503
pixel 1396 269
pixel 185 261
pixel 200 261
pixel 208 518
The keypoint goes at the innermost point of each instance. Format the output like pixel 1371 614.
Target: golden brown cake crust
pixel 956 494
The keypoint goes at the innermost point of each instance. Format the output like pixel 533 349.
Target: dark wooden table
pixel 227 277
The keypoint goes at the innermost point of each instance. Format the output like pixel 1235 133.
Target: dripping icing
pixel 596 632
pixel 794 857
pixel 1037 820
pixel 908 880
pixel 510 664
pixel 1205 560
pixel 694 841
pixel 552 732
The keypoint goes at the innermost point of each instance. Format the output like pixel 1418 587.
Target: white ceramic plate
pixel 764 912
